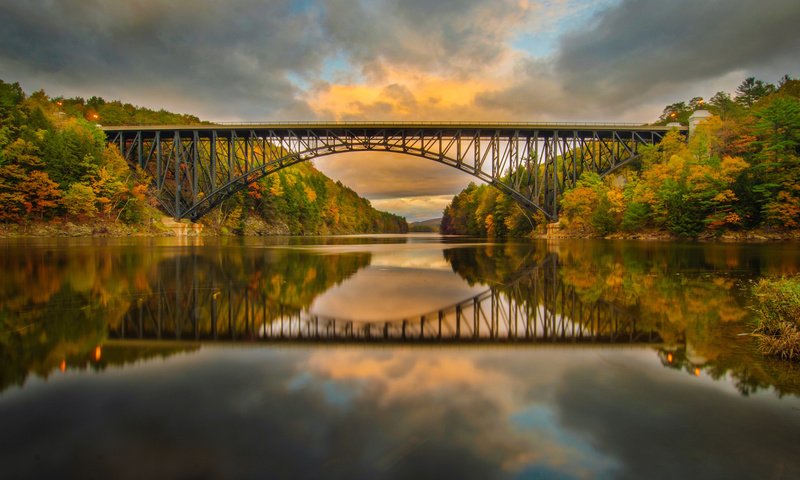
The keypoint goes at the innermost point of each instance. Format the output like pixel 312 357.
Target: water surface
pixel 381 356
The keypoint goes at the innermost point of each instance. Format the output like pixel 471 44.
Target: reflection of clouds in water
pixel 387 293
pixel 518 406
pixel 394 412
pixel 684 427
pixel 421 258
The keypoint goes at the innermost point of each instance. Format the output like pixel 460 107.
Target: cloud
pixel 642 46
pixel 638 54
pixel 417 208
pixel 415 188
pixel 379 175
pixel 203 56
pixel 450 35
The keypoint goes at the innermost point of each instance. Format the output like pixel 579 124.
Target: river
pixel 411 356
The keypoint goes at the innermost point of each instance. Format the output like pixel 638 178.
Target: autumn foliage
pixel 739 170
pixel 54 165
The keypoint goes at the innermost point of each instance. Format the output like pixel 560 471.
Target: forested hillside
pixel 56 171
pixel 740 171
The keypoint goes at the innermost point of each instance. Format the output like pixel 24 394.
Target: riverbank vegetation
pixel 739 172
pixel 778 320
pixel 59 177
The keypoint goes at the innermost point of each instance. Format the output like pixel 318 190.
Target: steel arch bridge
pixel 196 167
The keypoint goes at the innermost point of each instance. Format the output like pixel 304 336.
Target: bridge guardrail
pixel 333 123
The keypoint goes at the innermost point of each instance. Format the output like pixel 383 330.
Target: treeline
pixel 739 171
pixel 56 167
pixel 99 111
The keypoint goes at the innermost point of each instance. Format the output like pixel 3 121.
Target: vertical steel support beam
pixel 195 166
pixel 139 149
pixel 178 147
pixel 213 161
pixel 159 176
pixel 554 154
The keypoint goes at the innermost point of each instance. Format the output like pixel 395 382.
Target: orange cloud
pixel 407 95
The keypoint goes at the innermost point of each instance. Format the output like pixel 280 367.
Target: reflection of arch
pixel 194 168
pixel 533 307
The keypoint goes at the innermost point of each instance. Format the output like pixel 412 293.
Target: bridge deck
pixel 503 127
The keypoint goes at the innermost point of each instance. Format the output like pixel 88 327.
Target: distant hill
pixel 431 225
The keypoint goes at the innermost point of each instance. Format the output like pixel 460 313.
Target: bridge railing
pixel 394 123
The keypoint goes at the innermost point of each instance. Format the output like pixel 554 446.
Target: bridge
pixel 533 307
pixel 196 167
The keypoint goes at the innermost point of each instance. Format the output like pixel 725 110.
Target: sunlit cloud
pixel 407 94
pixel 423 207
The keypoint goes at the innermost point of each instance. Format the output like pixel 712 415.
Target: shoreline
pixel 159 229
pixel 750 236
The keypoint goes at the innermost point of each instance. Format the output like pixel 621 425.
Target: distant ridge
pixel 431 225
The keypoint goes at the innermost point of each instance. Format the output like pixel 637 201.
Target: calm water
pixel 396 357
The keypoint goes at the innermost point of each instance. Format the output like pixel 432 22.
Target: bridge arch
pixel 195 168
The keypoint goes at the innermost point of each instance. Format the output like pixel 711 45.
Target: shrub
pixel 778 322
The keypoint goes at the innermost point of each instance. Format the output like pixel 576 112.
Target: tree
pixel 80 201
pixel 41 194
pixel 24 189
pixel 723 106
pixel 751 90
pixel 676 112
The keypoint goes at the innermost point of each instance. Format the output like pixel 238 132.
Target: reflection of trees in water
pixel 54 304
pixel 226 294
pixel 57 305
pixel 693 296
pixel 749 370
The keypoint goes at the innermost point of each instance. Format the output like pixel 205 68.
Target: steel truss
pixel 194 169
pixel 537 307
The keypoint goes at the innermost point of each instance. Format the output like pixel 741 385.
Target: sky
pixel 498 60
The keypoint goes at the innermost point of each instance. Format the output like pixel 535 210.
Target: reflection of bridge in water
pixel 535 307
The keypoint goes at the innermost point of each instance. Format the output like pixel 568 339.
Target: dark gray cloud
pixel 466 36
pixel 646 52
pixel 225 58
pixel 642 45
